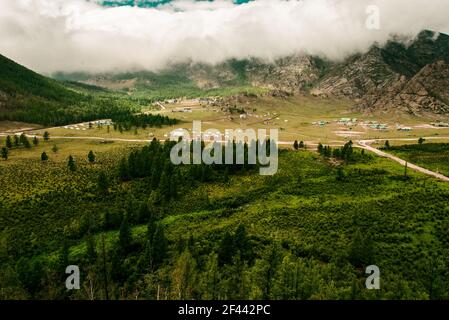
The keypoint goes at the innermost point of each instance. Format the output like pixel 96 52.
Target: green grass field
pixel 433 156
pixel 293 117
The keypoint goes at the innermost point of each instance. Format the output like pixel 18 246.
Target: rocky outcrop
pixel 409 78
pixel 427 91
pixel 292 74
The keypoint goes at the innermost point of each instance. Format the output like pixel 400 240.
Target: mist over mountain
pixel 409 78
pixel 80 35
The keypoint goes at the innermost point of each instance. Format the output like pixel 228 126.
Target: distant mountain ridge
pixel 405 77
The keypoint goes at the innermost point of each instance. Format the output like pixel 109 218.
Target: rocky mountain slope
pixel 407 78
pixel 406 75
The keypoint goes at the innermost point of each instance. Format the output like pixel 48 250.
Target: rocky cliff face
pixel 291 74
pixel 427 91
pixel 407 78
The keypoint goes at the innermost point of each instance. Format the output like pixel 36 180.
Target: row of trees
pixel 346 153
pixel 300 145
pixel 128 121
pixel 18 141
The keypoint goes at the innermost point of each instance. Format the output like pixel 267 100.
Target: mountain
pixel 407 78
pixel 405 75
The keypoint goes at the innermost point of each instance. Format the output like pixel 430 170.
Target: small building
pixel 320 123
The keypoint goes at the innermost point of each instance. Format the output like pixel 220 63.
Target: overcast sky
pixel 81 35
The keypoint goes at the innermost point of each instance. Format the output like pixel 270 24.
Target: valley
pixel 86 179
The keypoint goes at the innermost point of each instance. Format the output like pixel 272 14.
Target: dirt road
pixel 365 144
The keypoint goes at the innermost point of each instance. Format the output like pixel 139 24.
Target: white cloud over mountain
pixel 79 35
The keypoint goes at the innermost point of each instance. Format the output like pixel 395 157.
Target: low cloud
pixel 80 35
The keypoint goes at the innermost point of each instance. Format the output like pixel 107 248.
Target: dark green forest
pixel 29 97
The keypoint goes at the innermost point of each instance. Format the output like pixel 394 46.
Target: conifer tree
pixel 5 153
pixel 44 156
pixel 16 141
pixel 296 145
pixel 125 235
pixel 103 183
pixel 8 142
pixel 91 156
pixel 71 164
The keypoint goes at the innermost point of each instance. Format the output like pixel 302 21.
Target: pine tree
pixel 174 181
pixel 71 164
pixel 164 184
pixel 210 278
pixel 54 148
pixel 184 276
pixel 123 170
pixel 226 175
pixel 63 259
pixel 35 141
pixel 25 141
pixel 320 148
pixel 301 145
pixel 360 252
pixel 104 270
pixel 241 243
pixel 46 136
pixel 387 144
pixel 5 153
pixel 30 275
pixel 125 235
pixel 44 156
pixel 103 183
pixel 296 145
pixel 8 142
pixel 91 156
pixel 340 174
pixel 16 141
pixel 226 249
pixel 91 251
pixel 159 245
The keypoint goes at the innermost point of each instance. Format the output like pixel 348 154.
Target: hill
pixel 30 97
pixel 19 85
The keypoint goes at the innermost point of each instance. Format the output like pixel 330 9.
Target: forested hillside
pixel 139 227
pixel 29 97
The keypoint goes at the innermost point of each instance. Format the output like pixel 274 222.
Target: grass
pixel 433 156
pixel 293 117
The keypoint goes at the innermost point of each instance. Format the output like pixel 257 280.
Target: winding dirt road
pixel 365 144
